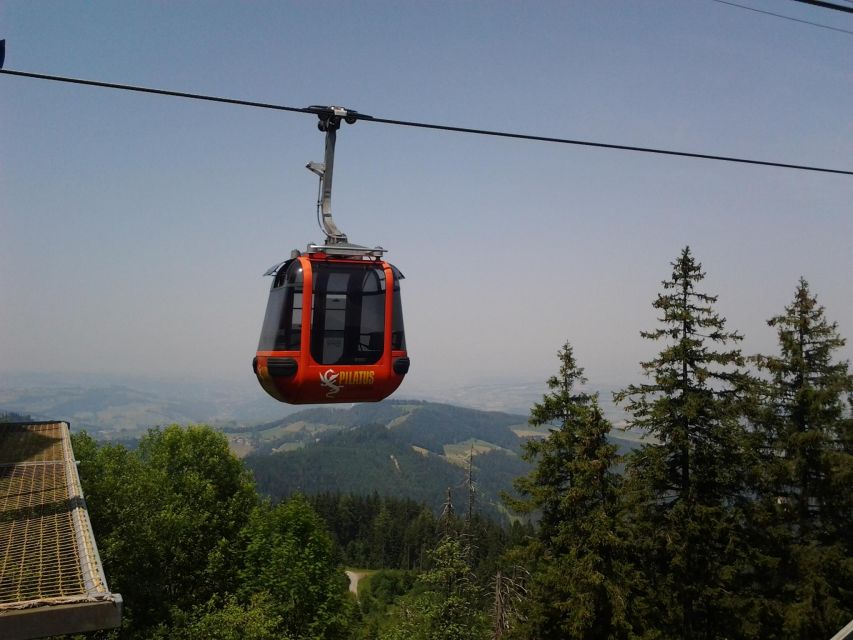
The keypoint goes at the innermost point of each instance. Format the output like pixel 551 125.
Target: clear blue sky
pixel 134 229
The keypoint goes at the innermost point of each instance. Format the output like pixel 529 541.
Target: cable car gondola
pixel 333 329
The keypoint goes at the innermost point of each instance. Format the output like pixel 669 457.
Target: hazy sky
pixel 134 229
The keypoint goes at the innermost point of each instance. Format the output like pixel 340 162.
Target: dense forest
pixel 373 458
pixel 733 521
pixel 376 532
pixel 399 448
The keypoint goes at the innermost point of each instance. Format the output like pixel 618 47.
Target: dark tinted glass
pixel 348 318
pixel 282 330
pixel 398 333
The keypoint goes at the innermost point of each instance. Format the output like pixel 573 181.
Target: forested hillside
pixel 427 425
pixel 405 449
pixel 359 461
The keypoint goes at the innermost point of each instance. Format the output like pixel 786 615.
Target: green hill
pixel 397 448
pixel 426 425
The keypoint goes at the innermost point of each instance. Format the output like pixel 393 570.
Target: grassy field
pixel 458 452
pixel 240 446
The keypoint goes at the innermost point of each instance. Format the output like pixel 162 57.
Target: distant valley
pixel 407 448
pixel 124 407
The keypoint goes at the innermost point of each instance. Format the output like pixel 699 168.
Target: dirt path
pixel 354 577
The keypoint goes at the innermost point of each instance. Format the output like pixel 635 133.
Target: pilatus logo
pixel 329 380
pixel 356 377
pixel 334 382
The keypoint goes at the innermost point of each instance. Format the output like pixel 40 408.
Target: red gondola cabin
pixel 333 331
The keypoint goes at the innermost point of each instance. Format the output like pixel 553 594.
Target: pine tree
pixel 687 489
pixel 575 590
pixel 808 469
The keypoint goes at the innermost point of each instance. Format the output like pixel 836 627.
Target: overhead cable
pixel 161 92
pixel 826 5
pixel 424 125
pixel 603 145
pixel 779 15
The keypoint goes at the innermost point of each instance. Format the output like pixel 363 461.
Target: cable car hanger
pixel 336 243
pixel 336 240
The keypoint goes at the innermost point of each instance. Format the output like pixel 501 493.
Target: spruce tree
pixel 575 561
pixel 808 470
pixel 686 487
